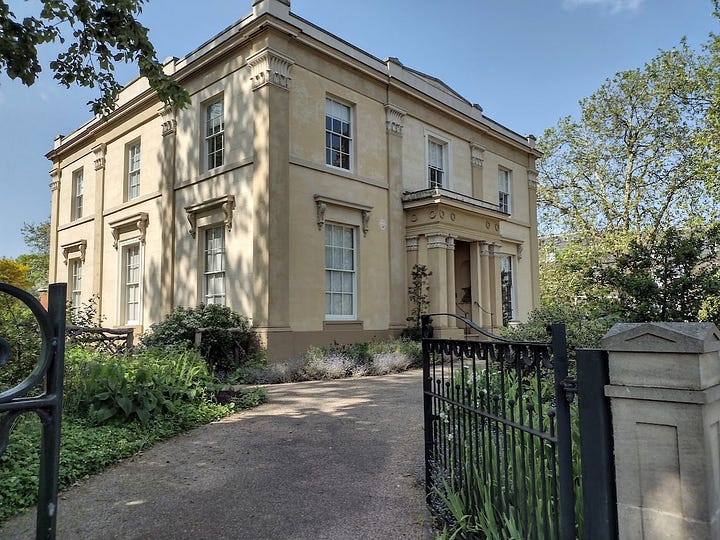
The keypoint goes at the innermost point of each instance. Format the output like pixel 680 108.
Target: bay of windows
pixel 75 286
pixel 77 194
pixel 437 159
pixel 214 265
pixel 131 284
pixel 338 134
pixel 340 272
pixel 214 134
pixel 504 191
pixel 133 168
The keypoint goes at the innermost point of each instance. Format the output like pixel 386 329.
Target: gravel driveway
pixel 324 459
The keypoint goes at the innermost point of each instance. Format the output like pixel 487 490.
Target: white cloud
pixel 614 6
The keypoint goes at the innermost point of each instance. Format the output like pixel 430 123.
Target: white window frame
pixel 212 133
pixel 123 283
pixel 444 143
pixel 207 296
pixel 330 270
pixel 505 190
pixel 133 170
pixel 78 189
pixel 330 131
pixel 505 261
pixel 75 283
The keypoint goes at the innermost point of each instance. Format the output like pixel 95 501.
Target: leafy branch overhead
pixel 96 35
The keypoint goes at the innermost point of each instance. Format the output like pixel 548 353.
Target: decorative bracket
pixel 137 222
pixel 225 203
pixel 394 119
pixel 269 67
pixel 477 154
pixel 169 122
pixel 99 152
pixel 80 246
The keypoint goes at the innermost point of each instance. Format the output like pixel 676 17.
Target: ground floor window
pixel 131 300
pixel 214 266
pixel 340 272
pixel 507 282
pixel 75 286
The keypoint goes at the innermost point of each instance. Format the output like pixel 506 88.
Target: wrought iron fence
pixel 47 376
pixel 498 435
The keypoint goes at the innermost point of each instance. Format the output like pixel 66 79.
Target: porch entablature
pixel 433 211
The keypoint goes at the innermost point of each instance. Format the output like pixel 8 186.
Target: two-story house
pixel 300 187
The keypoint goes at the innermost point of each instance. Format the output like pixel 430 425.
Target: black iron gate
pixel 47 375
pixel 498 435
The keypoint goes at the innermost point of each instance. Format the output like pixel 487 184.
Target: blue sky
pixel 526 62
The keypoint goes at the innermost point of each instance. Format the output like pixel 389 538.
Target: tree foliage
pixel 628 167
pixel 669 280
pixel 37 239
pixel 96 35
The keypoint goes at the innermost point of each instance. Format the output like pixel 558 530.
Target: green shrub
pixel 19 328
pixel 104 388
pixel 224 350
pixel 583 330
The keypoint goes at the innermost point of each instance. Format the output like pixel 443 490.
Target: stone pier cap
pixel 664 355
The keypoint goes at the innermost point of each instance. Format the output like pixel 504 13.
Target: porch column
pixel 495 288
pixel 485 288
pixel 450 280
pixel 437 263
pixel 475 283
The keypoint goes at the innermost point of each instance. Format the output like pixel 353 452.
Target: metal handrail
pixel 426 325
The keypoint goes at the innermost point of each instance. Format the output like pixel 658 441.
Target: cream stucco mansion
pixel 300 188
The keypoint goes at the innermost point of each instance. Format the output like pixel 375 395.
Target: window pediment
pixel 322 203
pixel 80 246
pixel 226 204
pixel 138 222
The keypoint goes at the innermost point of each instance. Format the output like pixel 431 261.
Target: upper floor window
pixel 340 273
pixel 504 199
pixel 133 171
pixel 338 134
pixel 214 265
pixel 214 134
pixel 437 164
pixel 77 194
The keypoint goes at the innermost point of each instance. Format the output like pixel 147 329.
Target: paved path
pixel 324 459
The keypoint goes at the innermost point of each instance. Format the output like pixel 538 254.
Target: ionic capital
pixel 394 119
pixel 99 152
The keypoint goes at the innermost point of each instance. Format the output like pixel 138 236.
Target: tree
pixel 37 238
pixel 628 167
pixel 98 34
pixel 673 279
pixel 14 273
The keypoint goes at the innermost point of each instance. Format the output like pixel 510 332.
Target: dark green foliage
pixel 669 279
pixel 86 449
pixel 98 34
pixel 104 389
pixel 223 349
pixel 20 329
pixel 37 239
pixel 582 330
